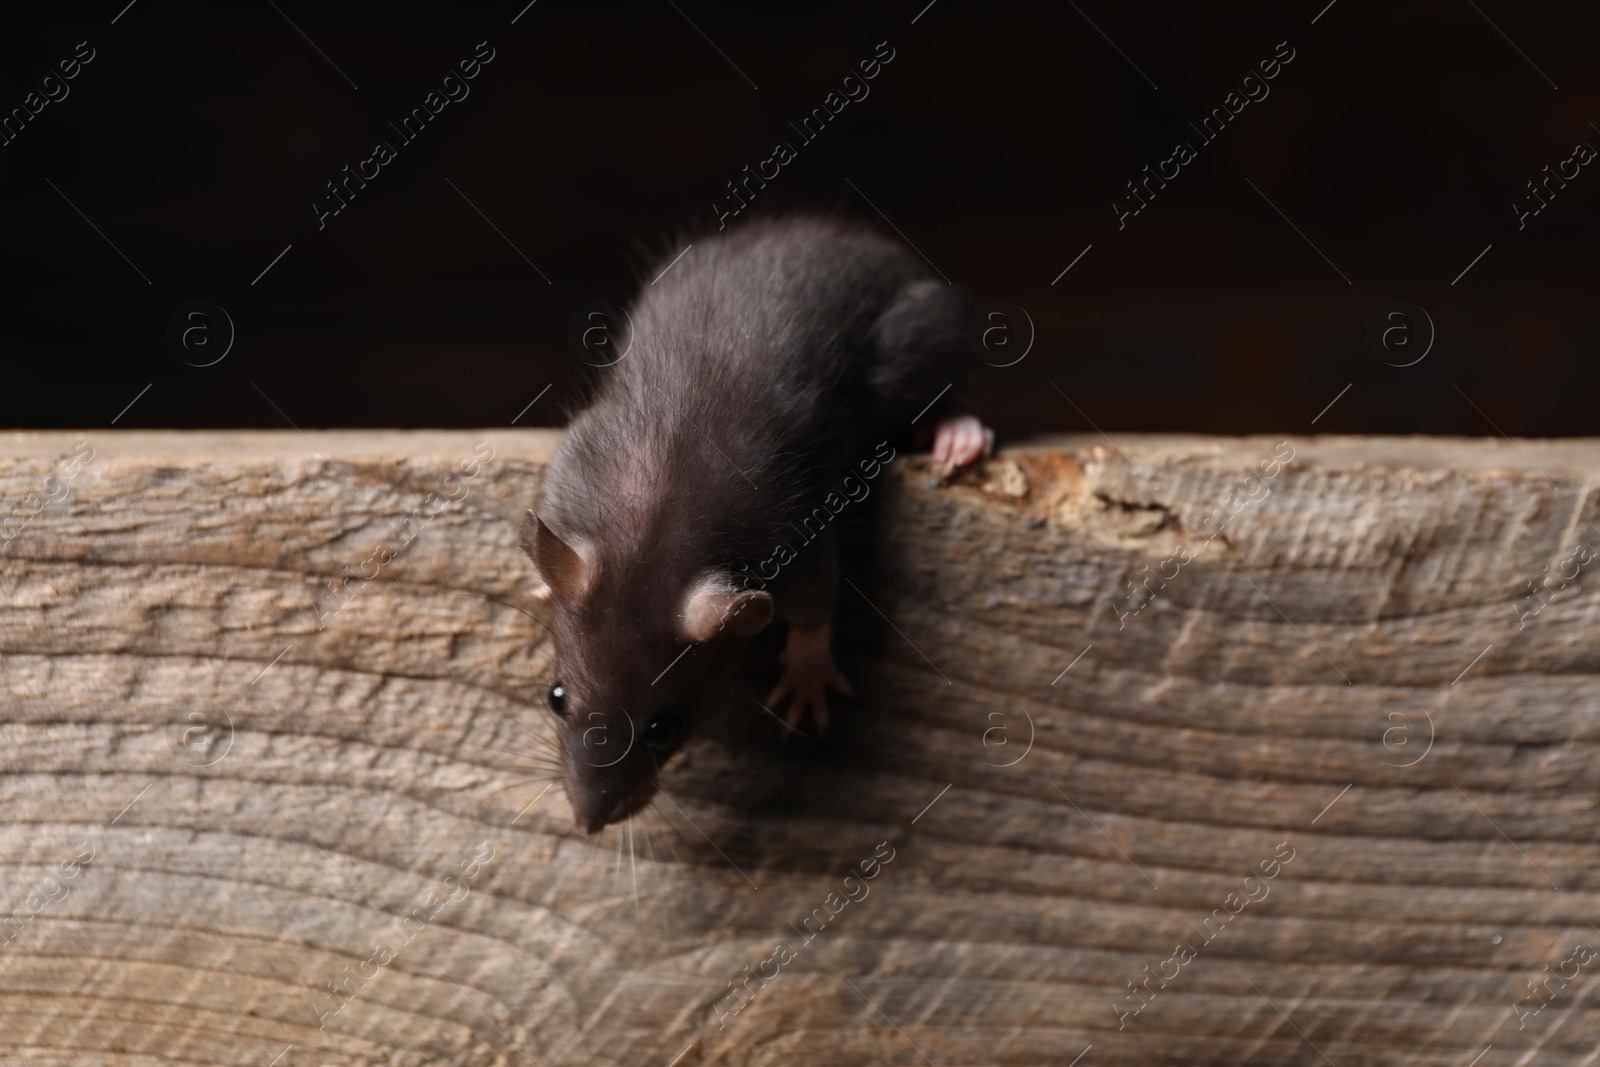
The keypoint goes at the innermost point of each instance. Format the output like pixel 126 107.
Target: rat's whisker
pixel 525 781
pixel 494 748
pixel 663 868
pixel 544 742
pixel 533 757
pixel 651 806
pixel 507 604
pixel 633 864
pixel 661 816
pixel 644 834
pixel 690 845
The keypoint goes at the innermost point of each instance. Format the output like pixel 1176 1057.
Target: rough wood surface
pixel 220 811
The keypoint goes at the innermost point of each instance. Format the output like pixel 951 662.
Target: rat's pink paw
pixel 808 672
pixel 961 441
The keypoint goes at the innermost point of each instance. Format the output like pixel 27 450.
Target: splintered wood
pixel 1180 750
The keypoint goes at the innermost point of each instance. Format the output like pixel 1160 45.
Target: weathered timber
pixel 252 817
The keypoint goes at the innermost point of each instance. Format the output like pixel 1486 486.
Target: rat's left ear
pixel 561 567
pixel 715 605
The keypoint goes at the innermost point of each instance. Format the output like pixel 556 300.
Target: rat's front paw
pixel 961 441
pixel 808 671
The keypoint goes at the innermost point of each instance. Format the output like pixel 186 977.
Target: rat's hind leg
pixel 808 668
pixel 961 440
pixel 921 349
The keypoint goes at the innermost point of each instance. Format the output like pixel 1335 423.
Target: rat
pixel 766 370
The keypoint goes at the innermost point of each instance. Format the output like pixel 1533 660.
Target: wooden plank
pixel 227 786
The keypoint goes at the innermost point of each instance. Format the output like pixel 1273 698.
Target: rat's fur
pixel 761 367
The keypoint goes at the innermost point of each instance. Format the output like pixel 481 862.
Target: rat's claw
pixel 797 711
pixel 960 441
pixel 779 691
pixel 805 698
pixel 838 681
pixel 808 672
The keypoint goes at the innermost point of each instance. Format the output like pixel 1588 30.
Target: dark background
pixel 1396 141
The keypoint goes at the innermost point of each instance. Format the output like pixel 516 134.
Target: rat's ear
pixel 715 605
pixel 559 564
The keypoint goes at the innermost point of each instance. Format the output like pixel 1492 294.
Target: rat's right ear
pixel 715 605
pixel 559 564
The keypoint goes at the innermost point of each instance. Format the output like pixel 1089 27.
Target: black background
pixel 1396 141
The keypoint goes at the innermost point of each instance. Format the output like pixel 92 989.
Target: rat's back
pixel 757 362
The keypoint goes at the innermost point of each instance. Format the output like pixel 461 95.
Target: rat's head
pixel 633 652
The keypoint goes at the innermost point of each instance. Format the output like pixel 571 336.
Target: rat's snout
pixel 596 807
pixel 595 819
pixel 593 812
pixel 610 774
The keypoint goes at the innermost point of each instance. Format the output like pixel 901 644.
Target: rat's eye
pixel 558 699
pixel 661 731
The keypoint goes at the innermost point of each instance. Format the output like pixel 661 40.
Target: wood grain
pixel 253 793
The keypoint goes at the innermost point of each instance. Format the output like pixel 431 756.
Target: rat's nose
pixel 595 812
pixel 592 815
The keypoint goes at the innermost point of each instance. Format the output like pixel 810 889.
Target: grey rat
pixel 763 368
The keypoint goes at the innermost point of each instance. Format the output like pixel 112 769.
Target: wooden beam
pixel 1192 750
